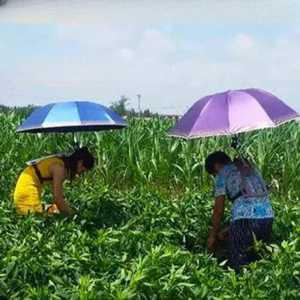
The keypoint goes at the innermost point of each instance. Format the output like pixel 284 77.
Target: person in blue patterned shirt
pixel 252 214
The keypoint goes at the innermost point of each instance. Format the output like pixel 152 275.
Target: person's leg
pixel 242 235
pixel 262 229
pixel 25 210
pixel 27 198
pixel 241 239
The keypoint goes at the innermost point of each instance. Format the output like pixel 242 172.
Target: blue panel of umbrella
pixel 73 116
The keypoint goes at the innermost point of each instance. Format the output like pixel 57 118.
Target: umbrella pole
pixel 236 144
pixel 75 141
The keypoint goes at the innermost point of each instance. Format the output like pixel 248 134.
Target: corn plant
pixel 143 218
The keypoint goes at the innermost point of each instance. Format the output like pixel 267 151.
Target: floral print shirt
pixel 229 183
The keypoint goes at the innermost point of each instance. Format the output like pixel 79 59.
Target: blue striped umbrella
pixel 72 117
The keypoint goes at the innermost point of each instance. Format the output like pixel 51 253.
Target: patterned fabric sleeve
pixel 220 185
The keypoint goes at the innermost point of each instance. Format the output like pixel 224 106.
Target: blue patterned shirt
pixel 228 183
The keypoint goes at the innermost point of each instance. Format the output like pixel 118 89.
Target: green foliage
pixel 143 219
pixel 120 106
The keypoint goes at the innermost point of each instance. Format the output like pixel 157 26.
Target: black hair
pixel 80 154
pixel 218 157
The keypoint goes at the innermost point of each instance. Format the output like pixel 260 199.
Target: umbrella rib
pixel 70 118
pixel 263 109
pixel 228 113
pixel 233 112
pixel 78 110
pixel 203 109
pixel 276 122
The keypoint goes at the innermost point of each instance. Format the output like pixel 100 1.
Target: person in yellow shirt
pixel 52 170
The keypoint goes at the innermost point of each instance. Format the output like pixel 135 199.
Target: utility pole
pixel 139 104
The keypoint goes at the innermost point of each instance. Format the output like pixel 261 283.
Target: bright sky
pixel 170 52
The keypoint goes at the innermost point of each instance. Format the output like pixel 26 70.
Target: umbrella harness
pixel 249 190
pixel 34 164
pixel 39 175
pixel 247 171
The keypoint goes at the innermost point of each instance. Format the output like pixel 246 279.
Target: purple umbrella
pixel 233 112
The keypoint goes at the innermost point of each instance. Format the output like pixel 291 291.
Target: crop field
pixel 144 215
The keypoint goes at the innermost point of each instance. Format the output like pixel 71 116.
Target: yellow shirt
pixel 27 195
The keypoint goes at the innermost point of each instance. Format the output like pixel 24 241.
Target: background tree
pixel 120 106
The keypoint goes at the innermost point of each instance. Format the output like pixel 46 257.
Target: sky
pixel 172 53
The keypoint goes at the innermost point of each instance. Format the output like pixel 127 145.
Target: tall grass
pixel 144 154
pixel 143 218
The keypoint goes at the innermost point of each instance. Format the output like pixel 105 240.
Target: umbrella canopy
pixel 233 112
pixel 72 117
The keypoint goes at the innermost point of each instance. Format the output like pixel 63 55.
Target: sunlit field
pixel 144 215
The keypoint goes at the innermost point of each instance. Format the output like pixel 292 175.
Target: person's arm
pixel 218 212
pixel 58 175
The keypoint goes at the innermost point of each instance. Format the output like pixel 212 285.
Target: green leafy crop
pixel 143 219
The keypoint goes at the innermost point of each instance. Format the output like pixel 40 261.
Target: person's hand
pixel 67 209
pixel 74 211
pixel 211 242
pixel 52 209
pixel 71 211
pixel 223 235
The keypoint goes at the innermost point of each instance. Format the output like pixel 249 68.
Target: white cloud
pixel 72 12
pixel 124 48
pixel 150 67
pixel 155 42
pixel 242 45
pixel 127 54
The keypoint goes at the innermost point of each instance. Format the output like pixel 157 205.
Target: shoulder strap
pixel 37 160
pixel 34 164
pixel 39 175
pixel 246 169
